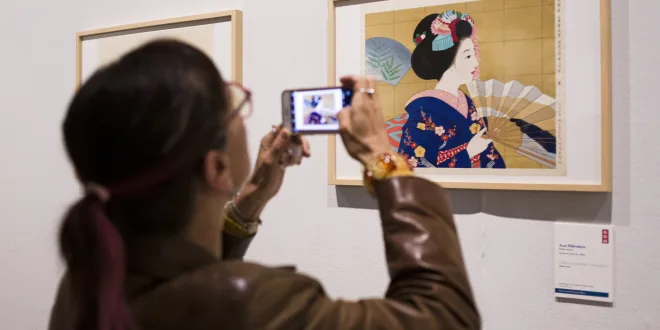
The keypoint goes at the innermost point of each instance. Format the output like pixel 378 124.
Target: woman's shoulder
pixel 260 288
pixel 433 95
pixel 427 94
pixel 224 293
pixel 233 278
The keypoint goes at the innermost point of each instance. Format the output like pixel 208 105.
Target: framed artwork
pixel 483 94
pixel 219 35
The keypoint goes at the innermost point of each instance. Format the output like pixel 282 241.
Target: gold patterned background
pixel 516 42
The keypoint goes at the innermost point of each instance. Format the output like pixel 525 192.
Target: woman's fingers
pixel 359 98
pixel 290 149
pixel 363 105
pixel 344 118
pixel 361 124
pixel 293 155
pixel 280 143
pixel 363 101
pixel 376 115
pixel 372 87
pixel 298 149
pixel 268 139
pixel 306 148
pixel 484 137
pixel 348 82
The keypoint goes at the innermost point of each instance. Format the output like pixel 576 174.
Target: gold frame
pixel 235 16
pixel 606 117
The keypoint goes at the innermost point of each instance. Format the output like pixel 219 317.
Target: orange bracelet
pixel 386 166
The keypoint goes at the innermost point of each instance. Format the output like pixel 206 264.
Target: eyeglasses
pixel 241 101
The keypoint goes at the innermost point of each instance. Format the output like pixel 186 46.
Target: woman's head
pixel 445 44
pixel 156 130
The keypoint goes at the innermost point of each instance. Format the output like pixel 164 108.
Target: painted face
pixel 466 61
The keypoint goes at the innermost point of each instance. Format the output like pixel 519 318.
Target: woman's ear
pixel 216 173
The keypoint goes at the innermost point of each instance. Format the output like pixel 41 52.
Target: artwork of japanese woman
pixel 450 112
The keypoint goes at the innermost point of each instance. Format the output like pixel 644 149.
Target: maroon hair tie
pixel 97 190
pixel 134 185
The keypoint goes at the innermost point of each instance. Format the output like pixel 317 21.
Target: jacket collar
pixel 165 257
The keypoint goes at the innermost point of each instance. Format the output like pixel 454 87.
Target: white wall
pixel 507 236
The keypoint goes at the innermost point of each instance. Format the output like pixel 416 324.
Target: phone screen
pixel 316 110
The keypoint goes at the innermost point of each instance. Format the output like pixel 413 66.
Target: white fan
pixel 500 102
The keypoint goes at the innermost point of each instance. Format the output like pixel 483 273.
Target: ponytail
pixel 94 253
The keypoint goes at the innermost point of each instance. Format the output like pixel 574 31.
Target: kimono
pixel 438 130
pixel 322 115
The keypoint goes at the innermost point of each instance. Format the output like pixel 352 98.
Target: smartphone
pixel 314 111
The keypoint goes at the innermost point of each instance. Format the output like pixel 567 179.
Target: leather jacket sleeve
pixel 234 247
pixel 429 287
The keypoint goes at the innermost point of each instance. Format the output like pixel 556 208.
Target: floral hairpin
pixel 444 27
pixel 419 38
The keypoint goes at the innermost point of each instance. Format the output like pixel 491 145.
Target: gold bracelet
pixel 234 229
pixel 238 225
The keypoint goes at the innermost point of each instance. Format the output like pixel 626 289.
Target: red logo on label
pixel 606 236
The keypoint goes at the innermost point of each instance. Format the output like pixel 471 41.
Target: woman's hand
pixel 478 143
pixel 279 149
pixel 361 124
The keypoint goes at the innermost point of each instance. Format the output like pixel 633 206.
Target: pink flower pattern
pixel 429 125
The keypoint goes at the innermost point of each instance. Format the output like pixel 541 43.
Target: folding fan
pixel 519 117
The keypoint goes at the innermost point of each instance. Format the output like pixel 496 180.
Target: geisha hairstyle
pixel 430 64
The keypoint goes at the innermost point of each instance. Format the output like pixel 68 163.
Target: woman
pixel 315 117
pixel 158 141
pixel 321 114
pixel 444 128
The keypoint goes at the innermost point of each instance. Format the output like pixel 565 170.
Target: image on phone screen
pixel 316 110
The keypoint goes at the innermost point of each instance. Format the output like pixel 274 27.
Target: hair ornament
pixel 100 192
pixel 419 38
pixel 444 28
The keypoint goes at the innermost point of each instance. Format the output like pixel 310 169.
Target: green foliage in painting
pixel 382 58
pixel 391 71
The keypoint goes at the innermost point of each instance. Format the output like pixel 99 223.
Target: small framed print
pixel 219 35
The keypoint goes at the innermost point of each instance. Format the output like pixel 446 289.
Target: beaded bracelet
pixel 386 166
pixel 236 224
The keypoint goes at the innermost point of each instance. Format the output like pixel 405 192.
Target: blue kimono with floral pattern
pixel 437 134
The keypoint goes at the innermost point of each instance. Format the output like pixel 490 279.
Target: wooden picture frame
pixel 233 16
pixel 605 184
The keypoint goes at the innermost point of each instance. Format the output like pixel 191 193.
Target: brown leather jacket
pixel 174 285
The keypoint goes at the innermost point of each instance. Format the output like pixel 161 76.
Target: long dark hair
pixel 429 64
pixel 139 128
